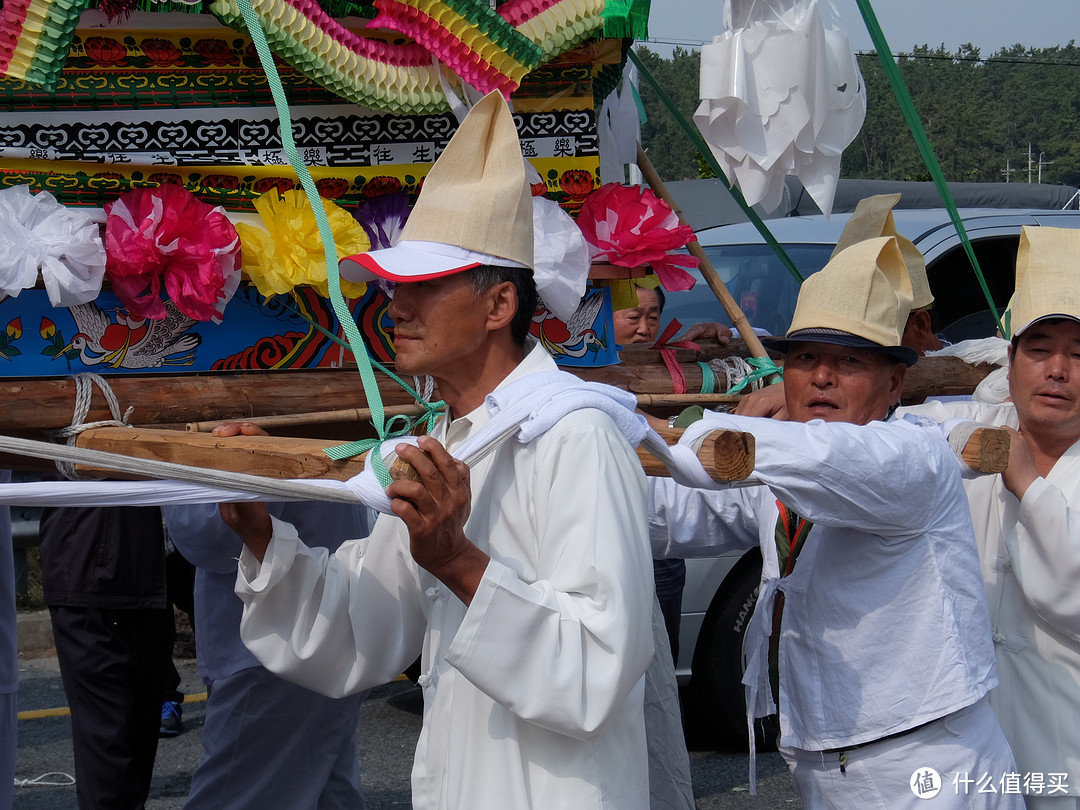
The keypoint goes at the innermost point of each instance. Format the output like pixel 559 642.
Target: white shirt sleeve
pixel 334 623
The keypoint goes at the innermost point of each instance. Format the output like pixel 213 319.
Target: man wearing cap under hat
pixel 871 635
pixel 871 218
pixel 525 581
pixel 1025 521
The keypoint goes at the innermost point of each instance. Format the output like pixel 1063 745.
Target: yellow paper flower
pixel 289 253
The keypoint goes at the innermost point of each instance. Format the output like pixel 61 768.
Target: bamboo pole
pixel 708 272
pixel 349 415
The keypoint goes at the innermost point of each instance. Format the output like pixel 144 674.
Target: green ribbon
pixel 710 160
pixel 907 107
pixel 337 300
pixel 763 367
pixel 708 378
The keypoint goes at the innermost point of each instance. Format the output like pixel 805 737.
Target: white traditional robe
pixel 532 694
pixel 1030 554
pixel 884 626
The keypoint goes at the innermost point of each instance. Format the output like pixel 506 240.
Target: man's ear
pixel 503 302
pixel 896 382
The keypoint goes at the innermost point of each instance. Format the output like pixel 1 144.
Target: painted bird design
pixel 573 338
pixel 131 342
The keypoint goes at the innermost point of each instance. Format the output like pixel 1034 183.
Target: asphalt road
pixel 388 730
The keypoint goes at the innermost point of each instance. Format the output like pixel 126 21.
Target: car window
pixel 758 281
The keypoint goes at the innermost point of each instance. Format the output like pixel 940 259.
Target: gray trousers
pixel 268 743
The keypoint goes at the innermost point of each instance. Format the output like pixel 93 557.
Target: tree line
pixel 980 114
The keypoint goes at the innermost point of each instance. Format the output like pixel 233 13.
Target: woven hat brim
pixel 835 337
pixel 415 261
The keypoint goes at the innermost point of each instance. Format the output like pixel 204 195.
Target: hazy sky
pixel 988 24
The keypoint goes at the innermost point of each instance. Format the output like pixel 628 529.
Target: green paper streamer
pixel 352 333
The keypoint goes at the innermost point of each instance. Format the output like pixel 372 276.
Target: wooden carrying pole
pixel 725 455
pixel 708 272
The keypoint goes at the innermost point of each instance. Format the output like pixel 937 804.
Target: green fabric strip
pixel 907 107
pixel 352 333
pixel 708 378
pixel 763 367
pixel 626 19
pixel 707 156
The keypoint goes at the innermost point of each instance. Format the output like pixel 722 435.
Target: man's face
pixel 639 324
pixel 838 384
pixel 438 325
pixel 1044 378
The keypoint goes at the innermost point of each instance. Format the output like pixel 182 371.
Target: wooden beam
pixel 725 455
pixel 987 450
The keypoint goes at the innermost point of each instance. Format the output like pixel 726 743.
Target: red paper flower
pixel 165 236
pixel 631 226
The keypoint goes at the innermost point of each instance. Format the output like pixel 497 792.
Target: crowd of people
pixel 917 630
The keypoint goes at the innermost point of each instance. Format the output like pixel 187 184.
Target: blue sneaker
pixel 170 719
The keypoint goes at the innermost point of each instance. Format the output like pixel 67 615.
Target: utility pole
pixel 1029 161
pixel 1043 163
pixel 1007 171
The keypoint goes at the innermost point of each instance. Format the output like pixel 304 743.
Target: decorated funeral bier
pixel 178 180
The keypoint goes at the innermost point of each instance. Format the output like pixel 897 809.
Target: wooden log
pixel 987 450
pixel 36 404
pixel 268 456
pixel 725 455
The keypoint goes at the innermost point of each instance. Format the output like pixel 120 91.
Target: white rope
pixel 42 781
pixel 84 393
pixel 734 369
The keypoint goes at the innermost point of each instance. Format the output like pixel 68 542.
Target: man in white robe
pixel 1027 522
pixel 877 651
pixel 525 582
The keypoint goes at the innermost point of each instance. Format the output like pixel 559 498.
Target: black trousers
pixel 112 663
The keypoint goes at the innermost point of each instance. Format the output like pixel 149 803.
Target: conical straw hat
pixel 475 206
pixel 861 299
pixel 872 218
pixel 1047 284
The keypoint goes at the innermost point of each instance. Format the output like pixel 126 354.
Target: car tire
pixel 716 693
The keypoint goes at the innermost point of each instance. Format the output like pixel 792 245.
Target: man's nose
pixel 1057 366
pixel 823 375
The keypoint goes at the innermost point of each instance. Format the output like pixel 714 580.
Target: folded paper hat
pixel 1047 285
pixel 860 299
pixel 872 218
pixel 475 207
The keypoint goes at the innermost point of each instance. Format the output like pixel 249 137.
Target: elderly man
pixel 871 628
pixel 1025 522
pixel 525 580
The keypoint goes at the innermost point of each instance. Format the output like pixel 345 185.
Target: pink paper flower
pixel 164 236
pixel 630 226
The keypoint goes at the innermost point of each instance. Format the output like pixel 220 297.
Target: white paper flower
pixel 39 235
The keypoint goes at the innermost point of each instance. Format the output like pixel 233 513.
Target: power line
pixel 1004 60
